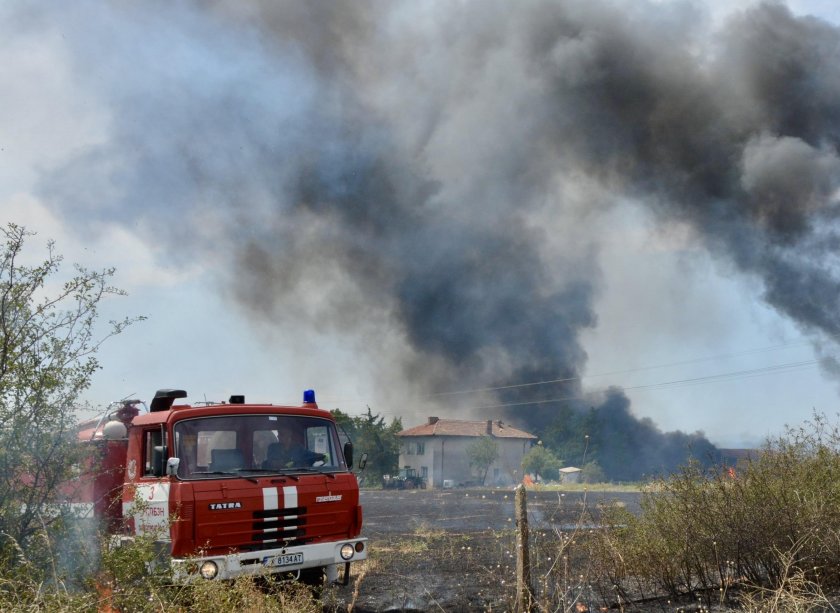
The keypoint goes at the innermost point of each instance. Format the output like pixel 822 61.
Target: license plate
pixel 284 559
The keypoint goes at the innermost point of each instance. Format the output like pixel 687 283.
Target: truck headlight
pixel 209 570
pixel 346 551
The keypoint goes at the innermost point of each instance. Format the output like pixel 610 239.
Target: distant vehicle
pixel 407 479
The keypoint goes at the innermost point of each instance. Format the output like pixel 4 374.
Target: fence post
pixel 524 599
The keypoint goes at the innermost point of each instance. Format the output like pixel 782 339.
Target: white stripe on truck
pixel 290 501
pixel 271 502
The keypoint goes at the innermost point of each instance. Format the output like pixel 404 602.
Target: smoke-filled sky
pixel 463 209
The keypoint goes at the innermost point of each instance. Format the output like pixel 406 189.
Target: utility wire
pixel 618 372
pixel 718 377
pixel 727 376
pixel 739 374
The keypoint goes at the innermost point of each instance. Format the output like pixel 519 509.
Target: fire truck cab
pixel 230 489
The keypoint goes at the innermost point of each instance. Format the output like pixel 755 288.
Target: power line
pixel 617 372
pixel 718 377
pixel 740 374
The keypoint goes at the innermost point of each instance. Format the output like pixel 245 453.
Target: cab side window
pixel 154 447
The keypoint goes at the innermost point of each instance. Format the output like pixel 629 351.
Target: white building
pixel 570 474
pixel 438 451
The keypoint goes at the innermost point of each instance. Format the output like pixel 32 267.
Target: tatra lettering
pixel 220 506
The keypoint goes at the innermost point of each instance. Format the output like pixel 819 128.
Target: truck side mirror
pixel 348 454
pixel 172 465
pixel 363 461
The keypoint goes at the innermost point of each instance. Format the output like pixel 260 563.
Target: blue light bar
pixel 309 397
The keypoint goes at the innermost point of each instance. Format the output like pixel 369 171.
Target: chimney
pixel 489 426
pixel 433 421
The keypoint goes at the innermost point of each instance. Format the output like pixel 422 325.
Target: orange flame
pixel 106 597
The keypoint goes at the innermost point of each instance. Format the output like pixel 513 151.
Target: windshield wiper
pixel 267 471
pixel 214 472
pixel 225 472
pixel 309 469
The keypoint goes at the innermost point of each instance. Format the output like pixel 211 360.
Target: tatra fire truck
pixel 227 489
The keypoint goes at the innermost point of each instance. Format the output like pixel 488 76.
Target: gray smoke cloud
pixel 439 171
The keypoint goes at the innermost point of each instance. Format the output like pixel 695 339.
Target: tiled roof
pixel 457 427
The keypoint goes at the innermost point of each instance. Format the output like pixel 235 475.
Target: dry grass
pixel 589 487
pixel 795 592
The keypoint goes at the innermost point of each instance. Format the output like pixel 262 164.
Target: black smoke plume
pixel 442 169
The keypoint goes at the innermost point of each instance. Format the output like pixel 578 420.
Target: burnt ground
pixel 453 550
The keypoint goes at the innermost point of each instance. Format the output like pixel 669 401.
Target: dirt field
pixel 453 550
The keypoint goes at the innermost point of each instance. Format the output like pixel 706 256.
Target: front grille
pixel 285 526
pixel 280 512
pixel 288 537
pixel 279 523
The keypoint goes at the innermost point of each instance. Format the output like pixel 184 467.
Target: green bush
pixel 50 335
pixel 541 462
pixel 127 578
pixel 707 531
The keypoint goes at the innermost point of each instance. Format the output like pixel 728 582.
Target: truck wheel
pixel 312 576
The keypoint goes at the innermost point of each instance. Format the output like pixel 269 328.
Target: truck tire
pixel 312 576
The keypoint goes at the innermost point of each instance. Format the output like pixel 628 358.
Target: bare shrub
pixel 564 573
pixel 712 531
pixel 795 593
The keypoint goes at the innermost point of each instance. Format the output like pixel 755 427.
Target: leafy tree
pixel 345 423
pixel 625 447
pixel 370 434
pixel 482 453
pixel 567 435
pixel 541 462
pixel 48 344
pixel 592 473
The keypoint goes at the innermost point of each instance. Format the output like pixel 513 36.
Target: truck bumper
pixel 270 561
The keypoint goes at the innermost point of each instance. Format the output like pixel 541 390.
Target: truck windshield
pixel 208 447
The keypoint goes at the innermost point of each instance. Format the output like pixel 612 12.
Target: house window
pixel 421 448
pixel 409 449
pixel 424 472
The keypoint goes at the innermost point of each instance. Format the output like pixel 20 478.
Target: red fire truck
pixel 227 489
